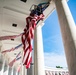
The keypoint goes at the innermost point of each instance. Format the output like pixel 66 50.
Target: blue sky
pixel 53 47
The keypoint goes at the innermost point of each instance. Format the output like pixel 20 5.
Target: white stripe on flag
pixel 29 57
pixel 25 56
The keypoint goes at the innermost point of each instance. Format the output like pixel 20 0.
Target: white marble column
pixel 68 30
pixel 38 52
pixel 10 71
pixel 25 70
pixel 22 70
pixel 30 71
pixel 6 69
pixel 3 64
pixel 14 71
pixel 57 73
pixel 18 73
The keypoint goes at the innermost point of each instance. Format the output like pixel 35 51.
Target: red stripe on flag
pixel 28 64
pixel 27 50
pixel 27 58
pixel 19 68
pixel 8 50
pixel 9 37
pixel 12 62
pixel 12 49
pixel 26 53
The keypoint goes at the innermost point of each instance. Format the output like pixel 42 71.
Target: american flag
pixel 19 68
pixel 15 59
pixel 27 50
pixel 12 49
pixel 9 37
pixel 27 36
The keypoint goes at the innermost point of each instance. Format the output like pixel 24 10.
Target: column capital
pixel 41 23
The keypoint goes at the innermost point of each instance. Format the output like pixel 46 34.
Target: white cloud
pixel 54 59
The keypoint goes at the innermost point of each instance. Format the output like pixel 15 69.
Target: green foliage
pixel 59 67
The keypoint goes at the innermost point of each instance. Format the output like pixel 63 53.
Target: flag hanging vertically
pixel 12 49
pixel 27 36
pixel 9 37
pixel 19 68
pixel 15 59
pixel 27 47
